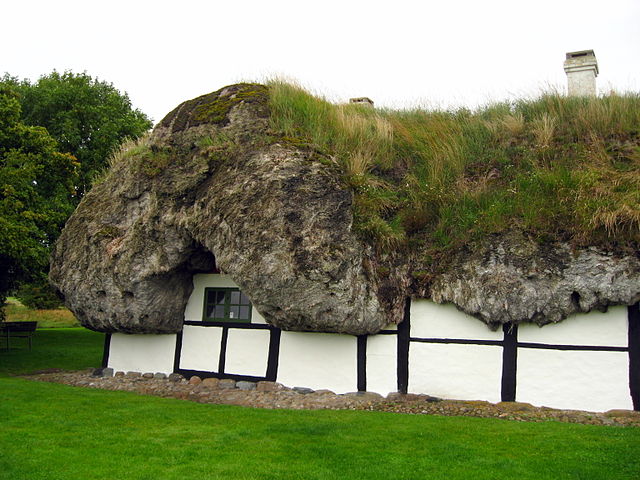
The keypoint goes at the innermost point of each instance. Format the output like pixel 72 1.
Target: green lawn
pixel 65 348
pixel 52 431
pixel 51 318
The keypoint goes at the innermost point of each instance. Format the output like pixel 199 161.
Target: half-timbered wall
pixel 586 362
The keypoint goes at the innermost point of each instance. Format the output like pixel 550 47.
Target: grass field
pixel 54 318
pixel 64 348
pixel 52 431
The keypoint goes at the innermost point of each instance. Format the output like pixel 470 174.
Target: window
pixel 226 305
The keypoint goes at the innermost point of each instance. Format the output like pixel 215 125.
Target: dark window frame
pixel 227 305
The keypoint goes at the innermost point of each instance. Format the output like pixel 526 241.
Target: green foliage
pixel 38 294
pixel 89 118
pixel 72 113
pixel 556 167
pixel 36 191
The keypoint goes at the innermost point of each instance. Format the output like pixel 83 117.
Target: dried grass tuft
pixel 543 129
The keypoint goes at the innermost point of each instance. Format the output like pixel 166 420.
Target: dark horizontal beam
pixel 246 326
pixel 500 343
pixel 586 348
pixel 458 341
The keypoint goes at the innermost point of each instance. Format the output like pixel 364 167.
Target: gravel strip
pixel 275 395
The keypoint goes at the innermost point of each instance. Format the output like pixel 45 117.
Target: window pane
pixel 211 296
pixel 220 297
pixel 226 304
pixel 235 298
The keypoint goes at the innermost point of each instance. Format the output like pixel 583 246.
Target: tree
pixel 37 186
pixel 89 118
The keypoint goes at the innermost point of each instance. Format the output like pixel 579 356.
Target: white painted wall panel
pixel 461 372
pixel 200 348
pixel 256 317
pixel 318 361
pixel 247 352
pixel 382 355
pixel 434 320
pixel 142 353
pixel 581 380
pixel 595 328
pixel 195 304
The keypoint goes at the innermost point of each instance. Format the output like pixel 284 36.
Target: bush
pixel 38 295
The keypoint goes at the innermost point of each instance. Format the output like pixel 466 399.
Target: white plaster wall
pixel 563 379
pixel 256 317
pixel 142 353
pixel 582 82
pixel 595 328
pixel 318 361
pixel 200 348
pixel 580 380
pixel 195 304
pixel 382 355
pixel 434 320
pixel 461 372
pixel 247 352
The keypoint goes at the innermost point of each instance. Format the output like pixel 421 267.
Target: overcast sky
pixel 399 53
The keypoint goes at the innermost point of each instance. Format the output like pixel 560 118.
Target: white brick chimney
pixel 581 69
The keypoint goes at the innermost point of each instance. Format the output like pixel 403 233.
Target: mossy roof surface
pixel 215 107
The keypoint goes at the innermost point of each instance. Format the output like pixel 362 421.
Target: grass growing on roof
pixel 556 167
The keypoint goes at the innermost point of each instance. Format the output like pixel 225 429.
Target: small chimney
pixel 366 101
pixel 581 69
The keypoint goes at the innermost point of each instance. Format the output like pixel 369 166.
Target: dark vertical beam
pixel 404 329
pixel 178 352
pixel 105 351
pixel 509 361
pixel 362 363
pixel 274 355
pixel 223 349
pixel 634 354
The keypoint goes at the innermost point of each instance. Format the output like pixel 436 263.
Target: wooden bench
pixel 17 330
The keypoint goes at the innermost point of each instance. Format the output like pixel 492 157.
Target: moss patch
pixel 109 231
pixel 215 107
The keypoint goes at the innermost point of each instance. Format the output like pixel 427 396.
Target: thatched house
pixel 260 233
